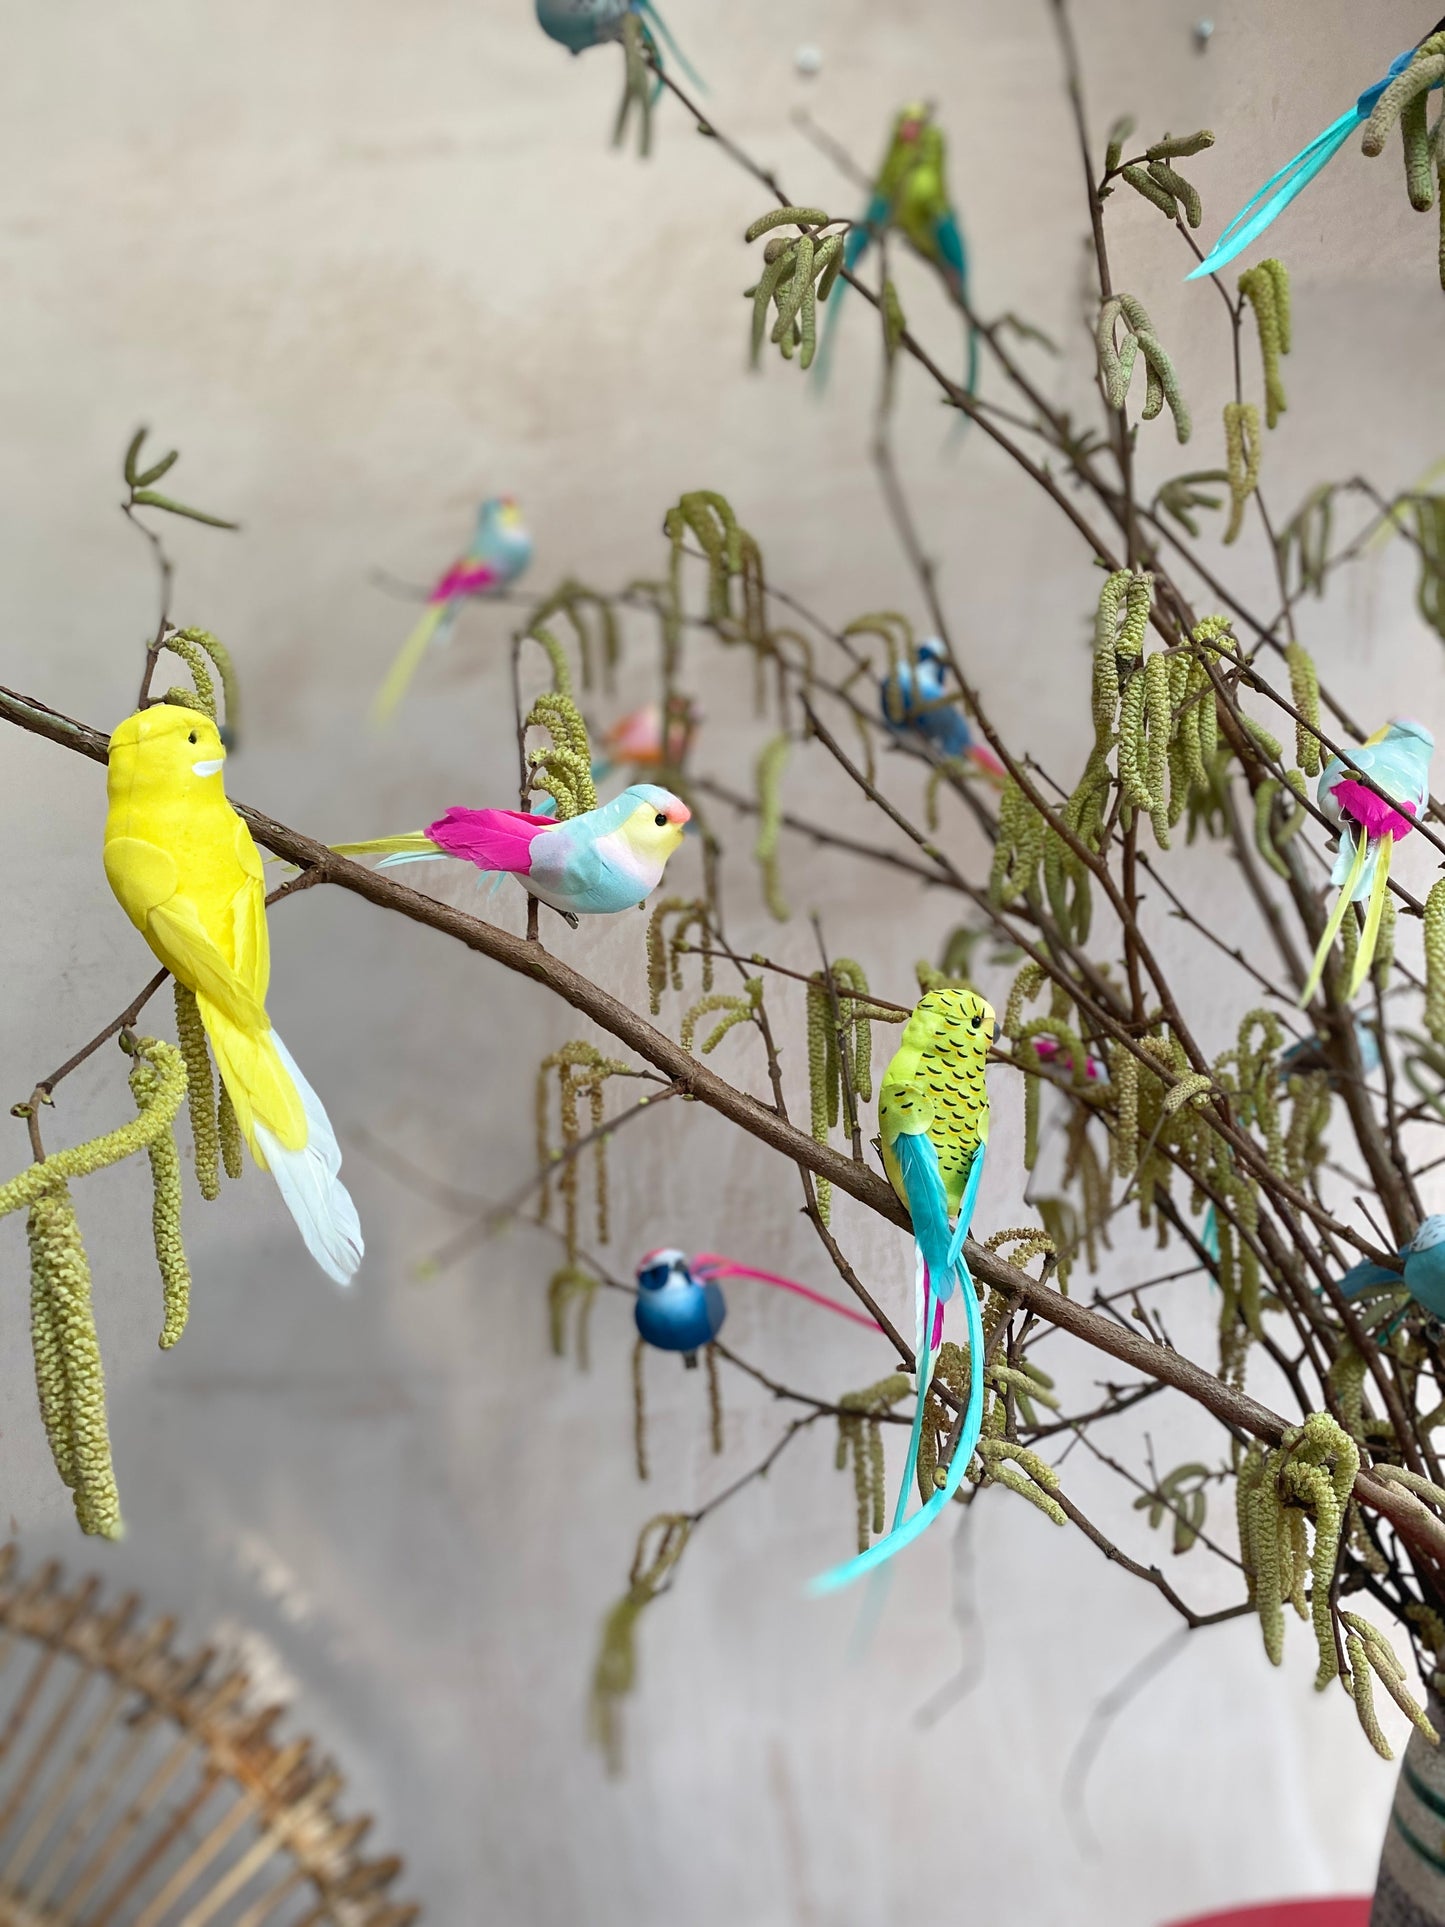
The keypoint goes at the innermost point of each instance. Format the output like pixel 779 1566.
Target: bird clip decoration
pixel 498 553
pixel 185 871
pixel 911 195
pixel 608 859
pixel 1396 759
pixel 676 1310
pixel 680 1306
pixel 916 701
pixel 580 24
pixel 1424 1270
pixel 638 741
pixel 1260 212
pixel 933 1117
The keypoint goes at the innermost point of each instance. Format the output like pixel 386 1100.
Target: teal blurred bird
pixel 911 194
pixel 1424 1270
pixel 1397 760
pixel 1295 176
pixel 580 24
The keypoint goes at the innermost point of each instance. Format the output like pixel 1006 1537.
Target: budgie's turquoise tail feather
pixel 904 1535
pixel 1370 935
pixel 927 1207
pixel 1281 188
pixel 646 8
pixel 1209 1233
pixel 1337 916
pixel 966 1209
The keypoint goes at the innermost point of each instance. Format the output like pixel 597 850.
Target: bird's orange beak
pixel 678 812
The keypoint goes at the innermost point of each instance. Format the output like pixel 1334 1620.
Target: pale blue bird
pixel 676 1312
pixel 1295 176
pixel 915 701
pixel 499 551
pixel 1397 760
pixel 1424 1262
pixel 580 24
pixel 605 860
pixel 911 194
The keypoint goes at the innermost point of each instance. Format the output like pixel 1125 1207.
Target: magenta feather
pixel 492 839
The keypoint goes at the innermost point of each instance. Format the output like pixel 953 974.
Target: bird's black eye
pixel 660 820
pixel 192 737
pixel 977 1021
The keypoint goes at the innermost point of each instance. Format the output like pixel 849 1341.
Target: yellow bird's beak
pixel 212 767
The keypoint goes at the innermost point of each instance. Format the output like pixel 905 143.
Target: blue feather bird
pixel 915 701
pixel 1295 176
pixel 676 1312
pixel 1424 1269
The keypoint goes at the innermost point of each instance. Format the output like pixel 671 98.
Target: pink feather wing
pixel 464 578
pixel 1371 812
pixel 492 839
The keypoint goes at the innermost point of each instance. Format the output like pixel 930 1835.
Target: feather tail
pixel 310 1184
pixel 1370 936
pixel 1277 193
pixel 715 1266
pixel 398 678
pixel 411 843
pixel 1337 917
pixel 659 26
pixel 918 1162
pixel 1362 1277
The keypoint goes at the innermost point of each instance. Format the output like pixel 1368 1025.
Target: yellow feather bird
pixel 185 871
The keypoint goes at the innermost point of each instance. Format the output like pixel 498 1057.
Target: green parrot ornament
pixel 911 195
pixel 933 1120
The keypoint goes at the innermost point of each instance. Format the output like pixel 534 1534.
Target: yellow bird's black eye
pixel 660 820
pixel 192 737
pixel 977 1021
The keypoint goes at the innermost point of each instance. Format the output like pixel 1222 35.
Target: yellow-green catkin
pixel 1435 961
pixel 165 1166
pixel 568 1285
pixel 860 1436
pixel 69 1376
pixel 615 1673
pixel 1242 451
pixel 770 768
pixel 200 1092
pixel 1266 288
pixel 565 765
pixel 228 1130
pixel 1304 689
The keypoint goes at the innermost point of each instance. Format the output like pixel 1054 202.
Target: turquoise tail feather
pixel 646 8
pixel 918 1162
pixel 1281 188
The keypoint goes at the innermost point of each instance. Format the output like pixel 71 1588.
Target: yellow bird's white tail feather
pixel 310 1184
